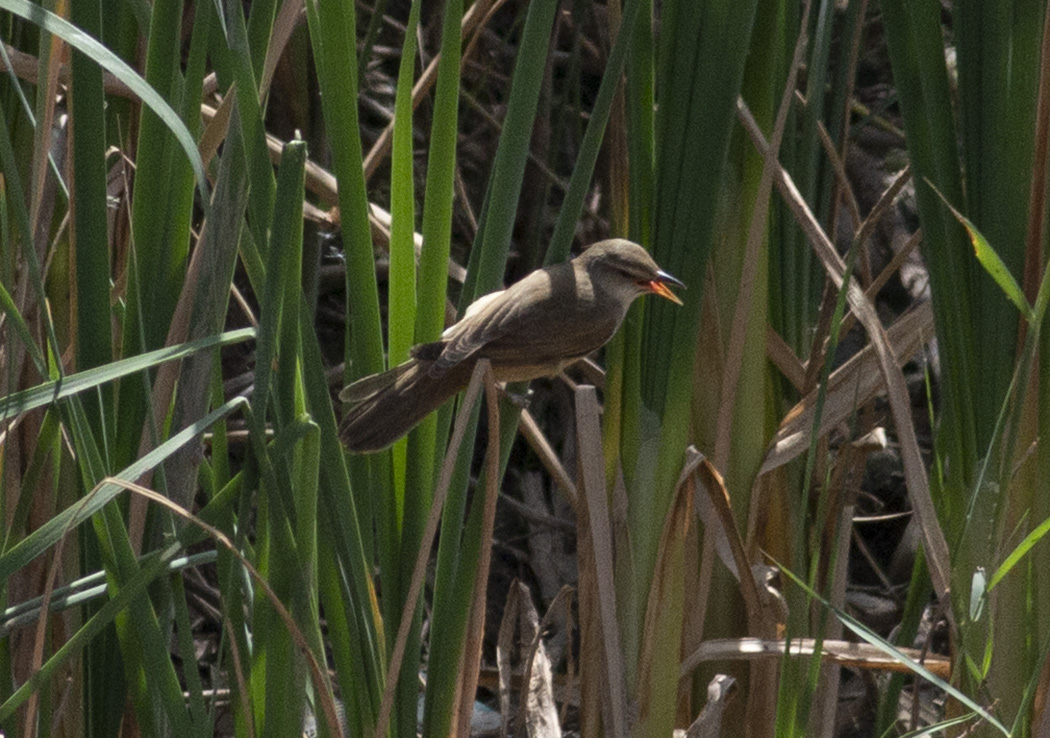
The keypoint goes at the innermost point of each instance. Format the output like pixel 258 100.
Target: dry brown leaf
pixel 471 654
pixel 600 628
pixel 936 547
pixel 720 692
pixel 664 607
pixel 851 385
pixel 845 653
pixel 415 587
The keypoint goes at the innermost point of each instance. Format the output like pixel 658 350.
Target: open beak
pixel 659 286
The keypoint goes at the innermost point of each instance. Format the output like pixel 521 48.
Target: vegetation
pixel 214 215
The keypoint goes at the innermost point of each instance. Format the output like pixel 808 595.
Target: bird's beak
pixel 659 286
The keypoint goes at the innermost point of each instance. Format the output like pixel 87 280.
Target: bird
pixel 534 328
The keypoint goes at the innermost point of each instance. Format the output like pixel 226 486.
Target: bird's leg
pixel 520 400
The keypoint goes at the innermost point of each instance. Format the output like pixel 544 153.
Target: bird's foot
pixel 520 400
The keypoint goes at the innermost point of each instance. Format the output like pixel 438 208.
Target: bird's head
pixel 625 268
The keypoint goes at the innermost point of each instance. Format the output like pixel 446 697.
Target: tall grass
pixel 986 162
pixel 145 243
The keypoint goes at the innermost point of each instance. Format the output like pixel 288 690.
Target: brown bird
pixel 534 328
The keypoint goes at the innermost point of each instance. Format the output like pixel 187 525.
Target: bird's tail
pixel 386 406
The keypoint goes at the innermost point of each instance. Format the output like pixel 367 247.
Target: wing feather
pixel 525 324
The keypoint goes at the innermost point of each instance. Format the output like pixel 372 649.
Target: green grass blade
pixel 488 257
pixel 354 626
pixel 18 199
pixel 83 590
pixel 287 234
pixel 432 284
pixel 235 66
pixel 10 311
pixel 622 424
pixel 437 234
pixel 79 40
pixel 402 313
pixel 283 267
pixel 454 587
pixel 914 42
pixel 992 262
pixel 42 394
pixel 91 630
pixel 94 336
pixel 49 533
pixel 396 553
pixel 159 248
pixel 997 68
pixel 887 648
pixel 583 171
pixel 45 458
pixel 208 280
pixel 333 29
pixel 441 166
pixel 454 583
pixel 260 26
pixel 288 470
pixel 697 93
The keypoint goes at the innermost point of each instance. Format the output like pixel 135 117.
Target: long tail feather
pixel 369 386
pixel 387 406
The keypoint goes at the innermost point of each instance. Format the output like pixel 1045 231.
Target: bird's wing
pixel 555 316
pixel 483 321
pixel 510 325
pixel 479 324
pixel 495 316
